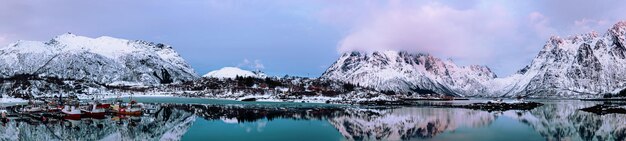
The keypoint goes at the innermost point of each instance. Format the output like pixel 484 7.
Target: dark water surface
pixel 202 119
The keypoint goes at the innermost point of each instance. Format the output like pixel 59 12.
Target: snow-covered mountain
pixel 102 60
pixel 406 72
pixel 581 66
pixel 232 72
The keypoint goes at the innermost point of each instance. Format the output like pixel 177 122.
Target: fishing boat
pixel 95 109
pixel 3 112
pixel 4 115
pixel 71 112
pixel 133 108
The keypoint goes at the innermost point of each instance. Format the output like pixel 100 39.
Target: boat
pixel 4 114
pixel 71 112
pixel 95 109
pixel 133 108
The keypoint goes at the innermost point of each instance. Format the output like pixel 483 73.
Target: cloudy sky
pixel 304 37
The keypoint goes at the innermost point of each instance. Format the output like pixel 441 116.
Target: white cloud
pixel 540 24
pixel 256 64
pixel 505 35
pixel 493 33
pixel 587 25
pixel 3 40
pixel 472 35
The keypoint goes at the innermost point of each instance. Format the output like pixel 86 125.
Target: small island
pixel 603 109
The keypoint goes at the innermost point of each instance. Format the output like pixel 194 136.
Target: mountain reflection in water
pixel 557 120
pixel 164 124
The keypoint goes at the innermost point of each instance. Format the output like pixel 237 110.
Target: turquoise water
pixel 186 100
pixel 223 120
pixel 263 130
pixel 557 120
pixel 321 130
pixel 502 129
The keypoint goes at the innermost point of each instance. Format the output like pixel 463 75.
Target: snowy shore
pixel 8 100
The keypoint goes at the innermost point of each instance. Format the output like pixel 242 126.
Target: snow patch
pixel 232 72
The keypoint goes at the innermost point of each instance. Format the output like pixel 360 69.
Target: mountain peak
pixel 581 66
pixel 66 35
pixel 619 26
pixel 555 40
pixel 232 72
pixel 618 33
pixel 406 72
pixel 104 60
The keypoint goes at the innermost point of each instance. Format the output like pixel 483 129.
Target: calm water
pixel 202 119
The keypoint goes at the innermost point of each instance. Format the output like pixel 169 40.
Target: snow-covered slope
pixel 405 72
pixel 103 60
pixel 582 66
pixel 232 72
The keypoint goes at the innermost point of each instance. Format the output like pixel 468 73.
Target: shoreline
pixel 109 96
pixel 274 99
pixel 15 101
pixel 604 99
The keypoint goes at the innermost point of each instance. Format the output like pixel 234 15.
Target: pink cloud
pixel 586 25
pixel 540 24
pixel 3 40
pixel 469 34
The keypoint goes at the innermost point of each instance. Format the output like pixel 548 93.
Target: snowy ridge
pixel 232 72
pixel 103 60
pixel 581 66
pixel 405 72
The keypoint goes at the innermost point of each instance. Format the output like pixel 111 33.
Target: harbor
pixel 54 109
